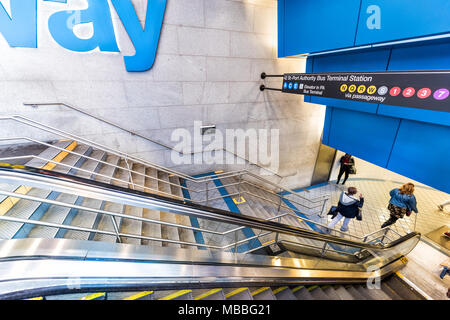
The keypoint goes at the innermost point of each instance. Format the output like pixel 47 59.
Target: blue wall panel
pixel 364 135
pixel 422 152
pixel 401 19
pixel 419 57
pixel 319 25
pixel 376 60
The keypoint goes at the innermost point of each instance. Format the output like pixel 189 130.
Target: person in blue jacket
pixel 402 202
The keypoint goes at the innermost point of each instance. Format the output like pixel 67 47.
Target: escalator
pixel 138 244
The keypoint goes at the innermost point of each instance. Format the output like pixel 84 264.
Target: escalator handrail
pixel 139 198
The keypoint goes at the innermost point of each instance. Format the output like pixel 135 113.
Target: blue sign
pixel 20 28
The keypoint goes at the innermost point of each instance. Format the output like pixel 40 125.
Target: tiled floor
pixel 376 194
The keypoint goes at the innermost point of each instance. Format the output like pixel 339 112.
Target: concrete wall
pixel 209 60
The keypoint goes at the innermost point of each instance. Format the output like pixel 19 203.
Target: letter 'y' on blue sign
pixel 20 29
pixel 145 41
pixel 61 26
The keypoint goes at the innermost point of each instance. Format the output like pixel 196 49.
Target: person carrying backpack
pixel 402 202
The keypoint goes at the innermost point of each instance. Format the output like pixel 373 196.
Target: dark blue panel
pixel 374 60
pixel 421 152
pixel 387 20
pixel 319 25
pixel 366 136
pixel 421 57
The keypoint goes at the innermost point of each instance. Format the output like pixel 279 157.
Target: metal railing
pixel 323 244
pixel 312 203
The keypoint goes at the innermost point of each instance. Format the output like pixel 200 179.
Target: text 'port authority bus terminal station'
pixel 231 157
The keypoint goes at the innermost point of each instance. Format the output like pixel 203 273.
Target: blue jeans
pixel 337 219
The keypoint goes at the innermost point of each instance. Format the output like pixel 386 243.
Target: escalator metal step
pixel 355 294
pixel 208 294
pixel 343 293
pixel 331 293
pixel 317 293
pixel 302 293
pixel 264 293
pixel 284 293
pixel 173 295
pixel 238 294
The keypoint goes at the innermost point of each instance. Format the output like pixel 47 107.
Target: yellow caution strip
pixel 219 171
pixel 297 288
pixel 138 295
pixel 234 292
pixel 37 298
pixel 93 296
pixel 60 156
pixel 254 293
pixel 312 288
pixel 9 202
pixel 175 295
pixel 206 294
pixel 278 290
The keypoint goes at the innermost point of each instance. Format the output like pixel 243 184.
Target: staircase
pixel 68 216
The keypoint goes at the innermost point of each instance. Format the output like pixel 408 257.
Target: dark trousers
pixel 391 220
pixel 343 170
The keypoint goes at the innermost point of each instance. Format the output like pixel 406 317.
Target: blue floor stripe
pixel 248 232
pixel 194 221
pixel 37 215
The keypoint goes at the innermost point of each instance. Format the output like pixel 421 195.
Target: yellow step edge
pixel 265 243
pixel 9 202
pixel 138 295
pixel 254 293
pixel 219 171
pixel 206 294
pixel 60 156
pixel 175 295
pixel 312 288
pixel 93 296
pixel 37 298
pixel 297 288
pixel 278 290
pixel 234 292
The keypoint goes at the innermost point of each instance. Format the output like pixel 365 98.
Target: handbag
pixel 352 170
pixel 359 215
pixel 333 212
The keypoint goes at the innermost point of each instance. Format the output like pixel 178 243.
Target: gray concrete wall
pixel 210 57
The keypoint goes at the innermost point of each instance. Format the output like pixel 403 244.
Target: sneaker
pixel 344 229
pixel 447 234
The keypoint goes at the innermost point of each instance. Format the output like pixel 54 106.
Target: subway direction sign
pixel 416 89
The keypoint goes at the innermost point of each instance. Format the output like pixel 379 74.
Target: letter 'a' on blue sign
pixel 20 29
pixel 145 41
pixel 62 23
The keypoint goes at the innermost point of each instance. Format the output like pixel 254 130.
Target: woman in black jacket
pixel 347 208
pixel 347 162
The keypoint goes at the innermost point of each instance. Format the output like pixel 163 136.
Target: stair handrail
pixel 62 133
pixel 134 133
pixel 132 197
